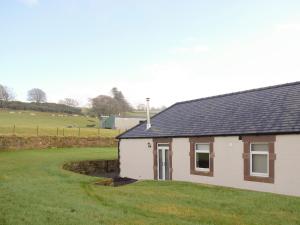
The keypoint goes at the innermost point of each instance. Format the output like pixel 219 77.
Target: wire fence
pixel 58 131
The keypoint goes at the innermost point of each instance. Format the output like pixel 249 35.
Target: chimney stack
pixel 148 114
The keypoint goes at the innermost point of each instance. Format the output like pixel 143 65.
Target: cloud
pixel 29 2
pixel 190 39
pixel 289 27
pixel 190 50
pixel 266 59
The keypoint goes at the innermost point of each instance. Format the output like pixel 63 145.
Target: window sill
pixel 259 179
pixel 202 173
pixel 202 170
pixel 263 175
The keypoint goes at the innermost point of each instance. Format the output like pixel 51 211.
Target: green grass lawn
pixel 26 123
pixel 34 190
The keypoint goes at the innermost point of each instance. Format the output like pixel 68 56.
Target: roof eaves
pixel 216 135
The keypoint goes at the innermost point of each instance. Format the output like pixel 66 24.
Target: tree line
pixel 102 105
pixel 114 104
pixel 41 107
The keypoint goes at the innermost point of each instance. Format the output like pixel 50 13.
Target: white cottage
pixel 248 140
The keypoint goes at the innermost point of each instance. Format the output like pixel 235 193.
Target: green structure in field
pixel 108 122
pixel 120 123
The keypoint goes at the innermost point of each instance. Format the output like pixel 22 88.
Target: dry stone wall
pixel 43 142
pixel 101 168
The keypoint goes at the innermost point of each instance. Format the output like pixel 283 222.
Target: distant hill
pixel 40 107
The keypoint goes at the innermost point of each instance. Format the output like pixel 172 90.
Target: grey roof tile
pixel 274 109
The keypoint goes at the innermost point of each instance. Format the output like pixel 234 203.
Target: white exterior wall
pixel 136 159
pixel 228 163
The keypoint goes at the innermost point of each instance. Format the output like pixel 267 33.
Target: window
pixel 259 160
pixel 202 157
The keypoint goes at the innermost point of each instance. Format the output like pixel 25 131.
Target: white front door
pixel 163 161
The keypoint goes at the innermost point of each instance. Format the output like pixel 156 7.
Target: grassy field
pixel 35 190
pixel 26 123
pixel 140 114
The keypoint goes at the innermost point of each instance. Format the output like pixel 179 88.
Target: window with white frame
pixel 259 159
pixel 202 157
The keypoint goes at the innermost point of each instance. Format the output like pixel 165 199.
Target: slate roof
pixel 268 110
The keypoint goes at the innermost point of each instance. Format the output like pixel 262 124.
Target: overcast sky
pixel 169 51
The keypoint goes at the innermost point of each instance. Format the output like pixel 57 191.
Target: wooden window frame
pixel 201 140
pixel 264 139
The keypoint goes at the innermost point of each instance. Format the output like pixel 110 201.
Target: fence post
pixel 37 131
pixel 14 129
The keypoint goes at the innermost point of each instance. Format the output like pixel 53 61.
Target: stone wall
pixel 42 142
pixel 101 168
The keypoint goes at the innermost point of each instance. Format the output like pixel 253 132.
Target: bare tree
pixel 104 105
pixel 6 94
pixel 69 102
pixel 123 105
pixel 36 95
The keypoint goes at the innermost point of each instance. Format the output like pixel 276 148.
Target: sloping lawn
pixel 34 190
